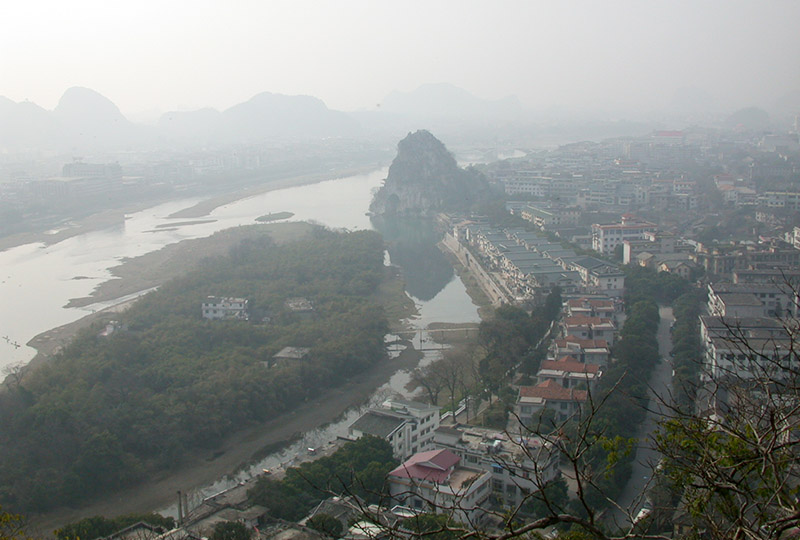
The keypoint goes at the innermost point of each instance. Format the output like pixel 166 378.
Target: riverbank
pixel 206 467
pixel 103 219
pixel 151 270
pixel 244 447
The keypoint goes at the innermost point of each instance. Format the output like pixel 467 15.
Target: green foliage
pixel 507 338
pixel 687 349
pixel 123 406
pixel 554 498
pixel 358 468
pixel 327 525
pixel 98 526
pixel 230 530
pixel 12 526
pixel 643 283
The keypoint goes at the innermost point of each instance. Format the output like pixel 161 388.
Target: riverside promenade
pixel 489 284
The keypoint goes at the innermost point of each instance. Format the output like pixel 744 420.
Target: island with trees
pixel 164 383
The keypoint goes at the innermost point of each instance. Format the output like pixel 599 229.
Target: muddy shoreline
pixel 239 449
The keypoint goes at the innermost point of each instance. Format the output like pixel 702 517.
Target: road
pixel 647 457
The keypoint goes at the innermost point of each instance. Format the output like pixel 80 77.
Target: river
pixel 38 280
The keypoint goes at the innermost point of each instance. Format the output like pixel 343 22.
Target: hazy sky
pixel 161 55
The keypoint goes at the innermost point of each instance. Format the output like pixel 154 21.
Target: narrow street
pixel 646 460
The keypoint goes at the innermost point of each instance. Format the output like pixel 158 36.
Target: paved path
pixel 633 496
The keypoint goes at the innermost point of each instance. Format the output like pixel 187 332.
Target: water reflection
pixel 412 245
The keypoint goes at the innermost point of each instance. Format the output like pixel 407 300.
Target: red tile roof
pixel 582 320
pixel 551 390
pixel 434 465
pixel 567 363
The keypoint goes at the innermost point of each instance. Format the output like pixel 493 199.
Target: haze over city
pixel 359 269
pixel 616 57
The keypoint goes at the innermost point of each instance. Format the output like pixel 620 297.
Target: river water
pixel 38 280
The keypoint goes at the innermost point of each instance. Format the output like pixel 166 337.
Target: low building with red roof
pixel 569 372
pixel 548 395
pixel 435 482
pixel 592 351
pixel 589 328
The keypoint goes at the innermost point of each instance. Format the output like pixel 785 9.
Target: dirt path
pixel 159 492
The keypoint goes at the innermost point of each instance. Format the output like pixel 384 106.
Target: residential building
pixel 436 481
pixel 745 347
pixel 408 426
pixel 589 328
pixel 753 299
pixel 551 395
pixel 519 465
pixel 589 306
pixel 606 237
pixel 569 372
pixel 225 307
pixel 590 351
pixel 548 216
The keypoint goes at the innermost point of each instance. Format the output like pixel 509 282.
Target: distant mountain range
pixel 85 121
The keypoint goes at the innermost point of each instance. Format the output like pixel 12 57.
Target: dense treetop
pixel 141 399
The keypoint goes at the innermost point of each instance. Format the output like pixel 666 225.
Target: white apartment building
pixel 407 425
pixel 219 307
pixel 606 237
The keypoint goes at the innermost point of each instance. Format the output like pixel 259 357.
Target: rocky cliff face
pixel 424 178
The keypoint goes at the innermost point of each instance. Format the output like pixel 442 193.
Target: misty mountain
pixel 424 178
pixel 24 125
pixel 87 119
pixel 749 118
pixel 264 116
pixel 446 100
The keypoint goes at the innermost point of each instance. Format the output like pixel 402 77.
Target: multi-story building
pixel 747 347
pixel 225 307
pixel 569 372
pixel 591 351
pixel 582 327
pixel 551 395
pixel 606 237
pixel 407 425
pixel 789 200
pixel 753 300
pixel 519 465
pixel 548 216
pixel 436 481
